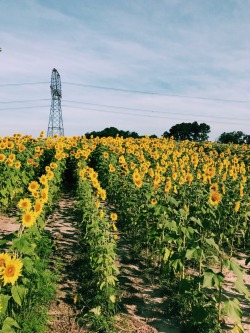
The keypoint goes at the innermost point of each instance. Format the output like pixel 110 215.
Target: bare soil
pixel 143 303
pixel 63 227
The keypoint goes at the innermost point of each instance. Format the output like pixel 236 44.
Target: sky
pixel 137 65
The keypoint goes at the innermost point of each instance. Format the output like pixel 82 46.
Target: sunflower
pixel 50 175
pixel 42 134
pixel 105 155
pixel 53 165
pixel 138 183
pixel 113 216
pixel 4 258
pixel 136 175
pixel 102 193
pixel 214 187
pixel 153 201
pixel 189 178
pixel 2 157
pixel 237 206
pixel 111 168
pixel 43 180
pixel 12 271
pixel 17 165
pixel 215 198
pixel 38 207
pixel 10 144
pixel 28 219
pixel 30 161
pixel 24 204
pixel 33 186
pixel 44 195
pixel 168 186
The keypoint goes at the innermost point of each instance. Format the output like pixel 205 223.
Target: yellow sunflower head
pixel 4 258
pixel 12 271
pixel 215 198
pixel 28 219
pixel 38 207
pixel 24 204
pixel 33 186
pixel 237 206
pixel 113 216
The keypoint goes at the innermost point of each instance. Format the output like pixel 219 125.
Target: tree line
pixel 183 131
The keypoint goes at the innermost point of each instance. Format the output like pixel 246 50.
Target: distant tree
pixel 189 131
pixel 113 132
pixel 234 137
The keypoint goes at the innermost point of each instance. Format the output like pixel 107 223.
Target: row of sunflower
pixel 185 206
pixel 23 264
pixel 20 160
pixel 98 287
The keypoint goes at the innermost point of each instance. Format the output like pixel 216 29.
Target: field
pixel 115 235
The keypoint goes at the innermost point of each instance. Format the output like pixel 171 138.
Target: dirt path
pixel 143 303
pixel 62 226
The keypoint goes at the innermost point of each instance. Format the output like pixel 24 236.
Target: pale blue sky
pixel 174 48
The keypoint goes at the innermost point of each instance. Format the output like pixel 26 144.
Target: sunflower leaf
pixel 18 293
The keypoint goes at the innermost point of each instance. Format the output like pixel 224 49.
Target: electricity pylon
pixel 55 125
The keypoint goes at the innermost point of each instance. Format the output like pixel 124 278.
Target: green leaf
pixel 218 278
pixel 208 279
pixel 28 264
pixel 235 267
pixel 4 299
pixel 182 212
pixel 241 287
pixel 191 253
pixel 3 241
pixel 11 322
pixel 23 245
pixel 18 293
pixel 211 242
pixel 232 310
pixel 197 221
pixel 7 329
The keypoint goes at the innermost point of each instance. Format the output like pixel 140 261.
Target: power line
pixel 24 107
pixel 153 111
pixel 132 91
pixel 22 84
pixel 138 115
pixel 25 101
pixel 120 107
pixel 156 93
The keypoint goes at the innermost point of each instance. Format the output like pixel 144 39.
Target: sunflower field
pixel 184 207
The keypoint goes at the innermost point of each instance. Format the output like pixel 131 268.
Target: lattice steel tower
pixel 55 118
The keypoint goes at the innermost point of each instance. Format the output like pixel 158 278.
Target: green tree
pixel 189 131
pixel 113 132
pixel 234 137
